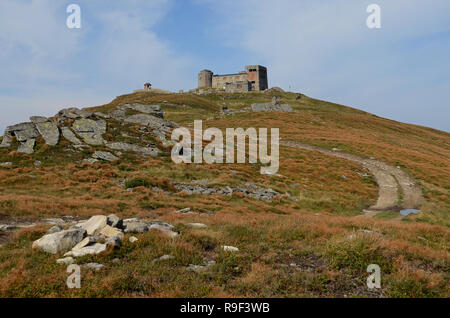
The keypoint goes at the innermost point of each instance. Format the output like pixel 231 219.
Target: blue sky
pixel 321 48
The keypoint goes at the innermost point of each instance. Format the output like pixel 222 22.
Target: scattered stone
pixel 148 151
pixel 86 242
pixel 94 224
pixel 161 224
pixel 230 249
pixel 164 258
pixel 37 163
pixel 184 211
pixel 103 155
pixel 88 250
pixel 6 227
pixel 115 221
pixel 110 231
pixel 66 261
pixel 55 229
pixel 197 225
pixel 6 164
pixel 200 268
pixel 133 239
pixel 102 115
pixel 115 241
pixel 89 161
pixel 94 266
pixel 136 227
pixel 148 109
pixel 274 106
pixel 53 221
pixel 116 260
pixel 61 241
pixel 164 230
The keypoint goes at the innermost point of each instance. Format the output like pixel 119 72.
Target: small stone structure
pixel 147 87
pixel 254 78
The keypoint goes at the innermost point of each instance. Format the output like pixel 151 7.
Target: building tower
pixel 205 78
pixel 257 76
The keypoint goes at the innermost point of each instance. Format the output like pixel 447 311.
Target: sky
pixel 323 49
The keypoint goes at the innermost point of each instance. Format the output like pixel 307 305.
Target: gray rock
pixel 88 250
pixel 197 225
pixel 86 242
pixel 53 221
pixel 102 115
pixel 37 163
pixel 200 268
pixel 136 227
pixel 49 131
pixel 94 266
pixel 230 248
pixel 24 131
pixel 114 241
pixel 6 164
pixel 148 109
pixel 118 114
pixel 89 161
pixel 38 119
pixel 163 258
pixel 150 121
pixel 61 241
pixel 7 139
pixel 65 261
pixel 109 231
pixel 161 224
pixel 82 113
pixel 164 230
pixel 90 130
pixel 55 229
pixel 133 239
pixel 149 151
pixel 27 147
pixel 70 136
pixel 115 221
pixel 94 224
pixel 105 156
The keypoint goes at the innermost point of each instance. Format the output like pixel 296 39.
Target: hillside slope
pixel 312 238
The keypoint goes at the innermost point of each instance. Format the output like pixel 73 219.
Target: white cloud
pixel 324 49
pixel 47 67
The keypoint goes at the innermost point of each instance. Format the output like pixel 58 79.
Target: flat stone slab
pixel 61 241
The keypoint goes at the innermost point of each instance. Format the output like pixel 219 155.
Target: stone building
pixel 254 78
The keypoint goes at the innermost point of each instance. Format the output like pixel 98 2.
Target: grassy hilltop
pixel 318 245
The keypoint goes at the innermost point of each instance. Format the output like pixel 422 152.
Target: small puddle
pixel 407 212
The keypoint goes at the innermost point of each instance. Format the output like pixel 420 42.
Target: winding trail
pixel 397 190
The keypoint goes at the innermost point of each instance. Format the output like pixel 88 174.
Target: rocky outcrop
pixel 154 110
pixel 90 130
pixel 274 106
pixel 249 189
pixel 70 136
pixel 49 131
pixel 83 128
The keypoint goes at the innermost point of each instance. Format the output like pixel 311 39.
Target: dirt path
pixel 397 190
